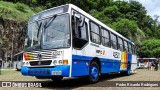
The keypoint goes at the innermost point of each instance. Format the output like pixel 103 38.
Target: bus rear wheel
pixel 93 72
pixel 57 79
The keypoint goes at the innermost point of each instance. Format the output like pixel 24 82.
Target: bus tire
pixel 94 72
pixel 127 73
pixel 57 79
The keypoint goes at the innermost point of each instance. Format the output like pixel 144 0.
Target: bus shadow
pixel 71 83
pixel 113 76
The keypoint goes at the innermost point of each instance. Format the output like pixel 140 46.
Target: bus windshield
pixel 49 33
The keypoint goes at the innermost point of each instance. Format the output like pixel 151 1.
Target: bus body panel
pixel 134 63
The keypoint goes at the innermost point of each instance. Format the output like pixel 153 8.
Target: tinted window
pixel 134 49
pixel 105 38
pixel 94 28
pixel 120 43
pixel 130 48
pixel 95 37
pixel 125 46
pixel 114 41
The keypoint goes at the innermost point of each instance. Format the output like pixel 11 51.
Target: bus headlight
pixel 55 62
pixel 25 63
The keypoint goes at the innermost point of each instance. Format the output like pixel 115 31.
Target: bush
pixel 18 12
pixel 21 7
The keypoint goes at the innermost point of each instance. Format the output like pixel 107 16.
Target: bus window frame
pixel 134 49
pixel 109 38
pixel 91 31
pixel 125 47
pixel 114 41
pixel 120 44
pixel 130 48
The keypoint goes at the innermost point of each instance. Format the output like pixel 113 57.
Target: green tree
pixel 150 48
pixel 112 12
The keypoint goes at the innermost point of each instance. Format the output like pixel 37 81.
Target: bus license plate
pixel 56 72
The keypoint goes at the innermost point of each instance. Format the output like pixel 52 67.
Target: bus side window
pixel 130 48
pixel 120 43
pixel 134 50
pixel 95 33
pixel 125 46
pixel 105 38
pixel 114 41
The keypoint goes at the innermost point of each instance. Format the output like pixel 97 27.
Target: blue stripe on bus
pixel 130 57
pixel 80 65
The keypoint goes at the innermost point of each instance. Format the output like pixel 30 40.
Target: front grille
pixel 34 63
pixel 45 55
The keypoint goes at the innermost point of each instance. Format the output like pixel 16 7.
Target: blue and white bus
pixel 65 41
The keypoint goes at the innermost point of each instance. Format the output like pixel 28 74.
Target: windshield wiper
pixel 39 27
pixel 38 33
pixel 48 22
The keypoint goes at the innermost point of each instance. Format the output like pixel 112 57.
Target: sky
pixel 152 7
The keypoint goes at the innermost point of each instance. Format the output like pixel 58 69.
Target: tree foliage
pixel 127 28
pixel 150 48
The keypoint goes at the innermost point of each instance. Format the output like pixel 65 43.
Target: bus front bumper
pixel 48 72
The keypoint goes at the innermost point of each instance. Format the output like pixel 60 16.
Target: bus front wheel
pixel 93 72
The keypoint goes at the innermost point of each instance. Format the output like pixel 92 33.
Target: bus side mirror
pixel 81 21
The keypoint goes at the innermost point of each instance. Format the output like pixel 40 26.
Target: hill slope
pixel 13 26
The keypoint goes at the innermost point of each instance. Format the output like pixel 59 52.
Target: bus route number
pixel 116 54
